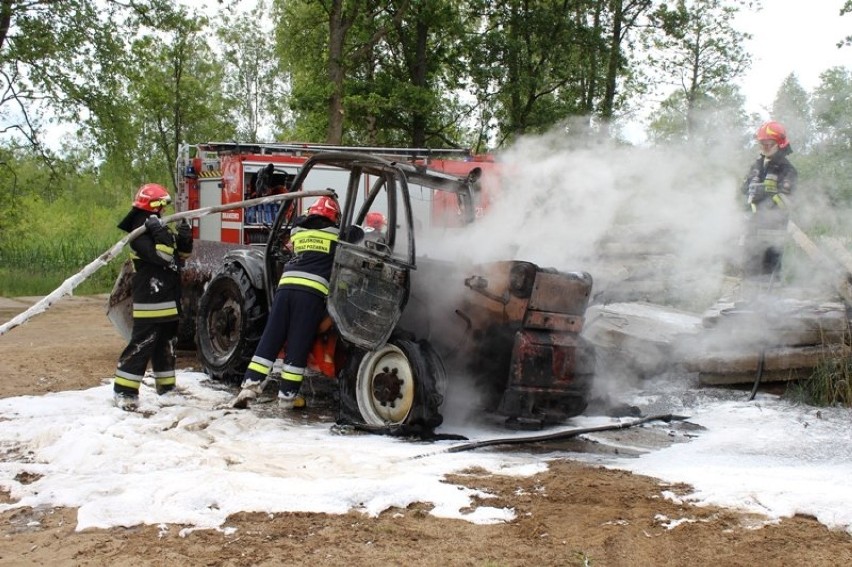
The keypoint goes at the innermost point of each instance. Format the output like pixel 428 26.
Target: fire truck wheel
pixel 231 317
pixel 402 382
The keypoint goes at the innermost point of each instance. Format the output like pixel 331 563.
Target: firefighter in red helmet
pixel 768 186
pixel 157 255
pixel 298 307
pixel 375 221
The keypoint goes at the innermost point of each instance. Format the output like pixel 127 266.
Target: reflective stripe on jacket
pixel 314 241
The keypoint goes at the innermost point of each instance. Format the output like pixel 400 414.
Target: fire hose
pixel 72 282
pixel 555 436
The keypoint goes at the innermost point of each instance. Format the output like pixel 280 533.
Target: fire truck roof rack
pixel 300 149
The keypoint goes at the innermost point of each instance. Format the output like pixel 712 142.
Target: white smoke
pixel 573 204
pixel 659 224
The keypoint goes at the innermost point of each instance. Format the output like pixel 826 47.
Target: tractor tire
pixel 231 317
pixel 401 383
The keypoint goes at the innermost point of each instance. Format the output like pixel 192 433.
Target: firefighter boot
pixel 126 402
pixel 250 390
pixel 288 395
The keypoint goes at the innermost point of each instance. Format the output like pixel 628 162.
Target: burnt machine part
pixel 551 368
pixel 523 347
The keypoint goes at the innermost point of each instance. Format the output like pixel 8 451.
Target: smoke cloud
pixel 661 224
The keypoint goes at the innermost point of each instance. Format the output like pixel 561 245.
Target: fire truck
pixel 217 173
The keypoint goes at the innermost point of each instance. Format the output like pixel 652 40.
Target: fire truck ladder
pixel 412 154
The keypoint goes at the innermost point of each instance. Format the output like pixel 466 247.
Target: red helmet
pixel 774 131
pixel 375 220
pixel 326 207
pixel 151 197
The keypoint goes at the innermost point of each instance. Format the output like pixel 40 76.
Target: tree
pixel 531 65
pixel 252 81
pixel 64 60
pixel 625 16
pixel 175 85
pixel 715 120
pixel 48 55
pixel 696 44
pixel 830 164
pixel 792 108
pixel 405 94
pixel 847 8
pixel 320 42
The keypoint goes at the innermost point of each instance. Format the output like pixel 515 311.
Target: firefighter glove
pixel 184 238
pixel 756 193
pixel 159 233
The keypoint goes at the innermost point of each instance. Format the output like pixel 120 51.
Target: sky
pixel 190 464
pixel 792 36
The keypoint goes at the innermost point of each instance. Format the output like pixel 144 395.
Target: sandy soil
pixel 571 515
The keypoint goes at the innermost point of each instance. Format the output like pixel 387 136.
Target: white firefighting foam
pixel 189 464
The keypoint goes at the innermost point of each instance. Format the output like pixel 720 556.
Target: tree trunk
pixel 418 116
pixel 336 37
pixel 5 20
pixel 608 104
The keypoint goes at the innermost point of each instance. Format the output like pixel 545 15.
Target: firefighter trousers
pixel 152 342
pixel 294 319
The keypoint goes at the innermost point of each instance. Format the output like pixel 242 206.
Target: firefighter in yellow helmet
pixel 157 256
pixel 768 186
pixel 298 307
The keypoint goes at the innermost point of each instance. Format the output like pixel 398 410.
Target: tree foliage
pixel 847 8
pixel 831 155
pixel 140 77
pixel 175 85
pixel 695 48
pixel 793 109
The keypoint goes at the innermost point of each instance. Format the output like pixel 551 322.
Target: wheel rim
pixel 385 388
pixel 224 322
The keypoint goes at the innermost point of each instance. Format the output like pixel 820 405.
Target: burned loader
pixel 514 327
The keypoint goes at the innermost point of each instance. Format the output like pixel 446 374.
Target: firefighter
pixel 768 186
pixel 374 221
pixel 157 256
pixel 299 305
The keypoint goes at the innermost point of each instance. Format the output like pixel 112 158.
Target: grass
pixel 37 266
pixel 830 384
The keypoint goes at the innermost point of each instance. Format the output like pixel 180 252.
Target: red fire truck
pixel 217 173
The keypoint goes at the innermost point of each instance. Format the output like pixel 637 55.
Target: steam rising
pixel 572 204
pixel 662 225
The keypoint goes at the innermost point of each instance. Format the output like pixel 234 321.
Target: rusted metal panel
pixel 550 377
pixel 548 360
pixel 553 322
pixel 561 292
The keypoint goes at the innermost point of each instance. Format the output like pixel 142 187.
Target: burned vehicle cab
pixel 391 377
pixel 385 377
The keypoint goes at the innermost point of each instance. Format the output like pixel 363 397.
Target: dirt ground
pixel 573 514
